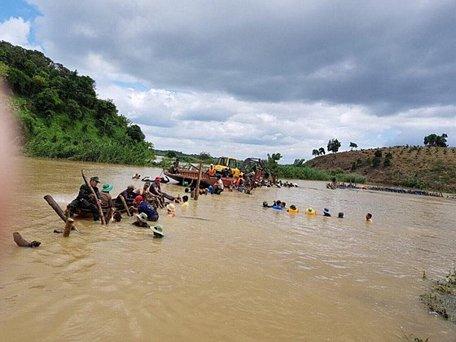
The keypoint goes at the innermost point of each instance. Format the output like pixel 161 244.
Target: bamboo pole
pixel 68 226
pixel 100 211
pixel 125 204
pixel 198 181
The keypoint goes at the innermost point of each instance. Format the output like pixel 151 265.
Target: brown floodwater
pixel 227 269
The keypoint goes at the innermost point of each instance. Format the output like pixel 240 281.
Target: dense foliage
pixel 61 116
pixel 333 145
pixel 310 173
pixel 436 140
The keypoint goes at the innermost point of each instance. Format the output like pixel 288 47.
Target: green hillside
pixel 60 115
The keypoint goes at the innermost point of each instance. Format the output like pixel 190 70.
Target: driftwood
pixel 56 207
pixel 58 210
pixel 21 242
pixel 68 226
pixel 100 211
pixel 125 204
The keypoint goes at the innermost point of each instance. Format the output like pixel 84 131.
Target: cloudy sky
pixel 245 78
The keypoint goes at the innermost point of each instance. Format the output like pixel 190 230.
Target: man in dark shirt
pixel 86 200
pixel 129 195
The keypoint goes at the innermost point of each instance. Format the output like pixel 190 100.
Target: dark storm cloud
pixel 387 55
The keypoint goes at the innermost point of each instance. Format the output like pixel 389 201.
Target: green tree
pixel 376 161
pixel 48 102
pixel 315 152
pixel 333 145
pixel 272 165
pixel 299 162
pixel 135 133
pixel 353 145
pixel 436 140
pixel 321 150
pixel 387 160
pixel 205 156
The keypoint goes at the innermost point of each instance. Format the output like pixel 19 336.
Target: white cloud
pixel 17 31
pixel 244 128
pixel 252 78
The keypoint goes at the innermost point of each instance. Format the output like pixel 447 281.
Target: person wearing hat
pixel 106 201
pixel 158 231
pixel 155 189
pixel 326 212
pixel 141 220
pixel 86 200
pixel 171 209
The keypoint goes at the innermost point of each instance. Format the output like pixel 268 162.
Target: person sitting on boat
pixel 175 166
pixel 86 200
pixel 145 207
pixel 218 185
pixel 107 204
pixel 211 171
pixel 155 189
pixel 129 195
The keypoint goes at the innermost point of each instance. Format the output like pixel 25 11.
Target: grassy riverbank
pixel 60 115
pixel 310 173
pixel 427 168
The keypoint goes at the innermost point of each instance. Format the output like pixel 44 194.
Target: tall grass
pixel 309 173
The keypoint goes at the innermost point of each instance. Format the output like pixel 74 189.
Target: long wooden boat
pixel 187 176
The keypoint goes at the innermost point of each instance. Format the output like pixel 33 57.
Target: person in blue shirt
pixel 149 210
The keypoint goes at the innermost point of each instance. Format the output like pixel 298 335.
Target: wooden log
pixel 97 200
pixel 58 210
pixel 56 207
pixel 21 242
pixel 68 226
pixel 125 204
pixel 198 181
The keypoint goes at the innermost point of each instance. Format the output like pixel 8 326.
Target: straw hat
pixel 171 207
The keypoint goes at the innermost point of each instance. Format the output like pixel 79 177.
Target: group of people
pixel 144 202
pixel 280 205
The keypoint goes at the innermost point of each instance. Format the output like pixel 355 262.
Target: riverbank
pixel 418 167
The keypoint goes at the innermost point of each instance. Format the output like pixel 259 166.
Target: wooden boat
pixel 189 175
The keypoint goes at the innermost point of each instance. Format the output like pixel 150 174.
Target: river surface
pixel 227 269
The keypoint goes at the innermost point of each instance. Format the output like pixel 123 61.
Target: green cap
pixel 107 187
pixel 96 179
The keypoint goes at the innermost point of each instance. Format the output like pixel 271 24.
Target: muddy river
pixel 227 269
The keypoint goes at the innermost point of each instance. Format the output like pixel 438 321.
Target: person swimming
pixel 292 209
pixel 340 215
pixel 326 212
pixel 277 205
pixel 266 205
pixel 368 217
